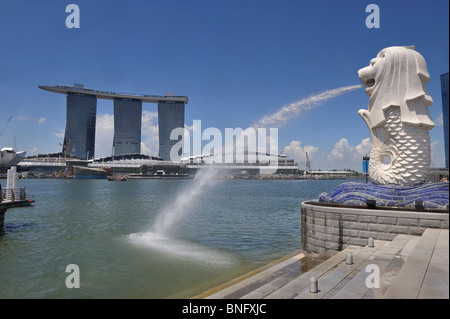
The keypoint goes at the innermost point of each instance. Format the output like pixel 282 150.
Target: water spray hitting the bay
pixel 293 110
pixel 162 238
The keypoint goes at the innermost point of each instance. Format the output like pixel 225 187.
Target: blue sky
pixel 237 61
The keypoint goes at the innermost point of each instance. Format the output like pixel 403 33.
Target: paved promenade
pixel 410 267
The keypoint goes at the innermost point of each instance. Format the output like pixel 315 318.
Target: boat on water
pixel 9 157
pixel 117 178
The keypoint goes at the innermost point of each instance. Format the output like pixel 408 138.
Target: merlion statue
pixel 398 116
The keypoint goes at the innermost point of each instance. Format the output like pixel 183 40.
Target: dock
pixel 13 195
pixel 408 267
pixel 4 205
pixel 16 203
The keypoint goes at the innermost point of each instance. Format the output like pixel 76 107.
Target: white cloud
pixel 364 147
pixel 440 120
pixel 104 133
pixel 59 134
pixel 344 155
pixel 150 137
pixel 340 150
pixel 42 120
pixel 298 153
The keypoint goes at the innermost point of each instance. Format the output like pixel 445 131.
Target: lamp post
pixel 366 160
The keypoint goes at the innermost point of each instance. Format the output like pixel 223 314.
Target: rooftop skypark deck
pixel 109 95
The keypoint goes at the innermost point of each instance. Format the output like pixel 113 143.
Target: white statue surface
pixel 398 116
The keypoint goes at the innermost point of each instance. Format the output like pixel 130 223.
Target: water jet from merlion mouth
pixel 170 216
pixel 293 110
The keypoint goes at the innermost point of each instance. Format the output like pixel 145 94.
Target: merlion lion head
pixel 397 76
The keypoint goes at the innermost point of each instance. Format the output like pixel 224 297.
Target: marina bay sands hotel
pixel 79 138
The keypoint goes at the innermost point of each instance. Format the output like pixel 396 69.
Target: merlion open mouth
pixel 369 82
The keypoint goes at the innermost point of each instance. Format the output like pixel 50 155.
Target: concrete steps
pixel 387 261
pixel 408 267
pixel 273 289
pixel 425 274
pixel 246 284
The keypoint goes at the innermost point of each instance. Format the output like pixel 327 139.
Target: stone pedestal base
pixel 327 227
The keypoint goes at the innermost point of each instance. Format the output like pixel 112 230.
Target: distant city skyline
pixel 237 61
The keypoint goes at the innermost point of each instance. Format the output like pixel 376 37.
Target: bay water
pixel 110 231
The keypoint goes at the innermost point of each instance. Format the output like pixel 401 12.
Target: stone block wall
pixel 326 227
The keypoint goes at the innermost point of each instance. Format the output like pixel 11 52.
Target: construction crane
pixel 66 149
pixel 308 166
pixel 4 126
pixel 72 153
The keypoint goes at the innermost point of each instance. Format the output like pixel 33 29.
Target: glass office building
pixel 127 127
pixel 79 138
pixel 444 90
pixel 170 116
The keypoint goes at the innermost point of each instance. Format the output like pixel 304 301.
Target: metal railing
pixel 14 194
